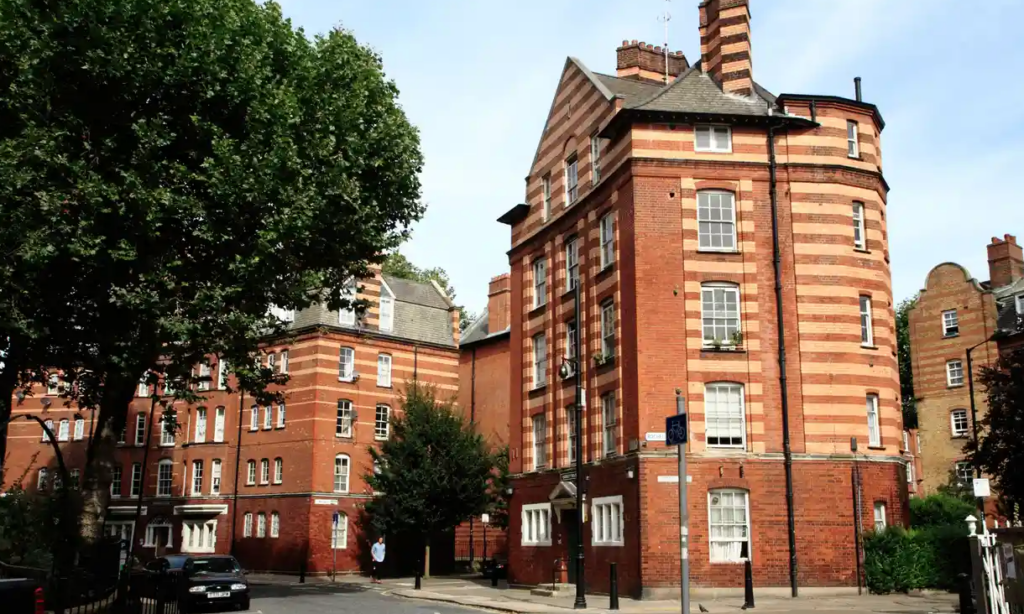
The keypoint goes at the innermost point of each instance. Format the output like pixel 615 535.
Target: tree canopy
pixel 171 170
pixel 907 398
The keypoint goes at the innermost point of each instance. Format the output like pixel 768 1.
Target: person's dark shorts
pixel 376 570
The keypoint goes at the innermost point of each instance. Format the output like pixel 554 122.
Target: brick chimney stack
pixel 1005 261
pixel 499 304
pixel 643 62
pixel 725 44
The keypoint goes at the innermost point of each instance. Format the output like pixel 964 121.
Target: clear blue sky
pixel 477 78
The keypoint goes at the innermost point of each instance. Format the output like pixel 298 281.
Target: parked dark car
pixel 215 580
pixel 496 567
pixel 21 596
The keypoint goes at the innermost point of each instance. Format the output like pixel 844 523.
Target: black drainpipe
pixel 787 450
pixel 238 463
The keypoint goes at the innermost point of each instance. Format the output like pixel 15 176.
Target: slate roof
pixel 690 92
pixel 479 330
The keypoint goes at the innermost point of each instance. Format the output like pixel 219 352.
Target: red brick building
pixel 297 462
pixel 956 312
pixel 658 196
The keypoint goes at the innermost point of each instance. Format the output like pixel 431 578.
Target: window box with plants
pixel 733 344
pixel 603 360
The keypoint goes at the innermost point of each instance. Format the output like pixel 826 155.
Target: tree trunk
pixel 426 557
pixel 111 418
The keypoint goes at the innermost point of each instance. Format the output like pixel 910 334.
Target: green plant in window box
pixel 603 359
pixel 737 339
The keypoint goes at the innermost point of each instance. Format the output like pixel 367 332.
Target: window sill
pixel 569 293
pixel 537 544
pixel 876 447
pixel 725 349
pixel 736 562
pixel 607 268
pixel 861 250
pixel 250 483
pixel 607 544
pixel 279 427
pixel 277 483
pixel 951 336
pixel 264 483
pixel 538 388
pixel 868 347
pixel 964 436
pixel 537 308
pixel 348 380
pixel 952 386
pixel 715 151
pixel 375 438
pixel 712 250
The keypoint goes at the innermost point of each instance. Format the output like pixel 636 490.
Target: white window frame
pixel 285 315
pixel 953 427
pixel 268 417
pixel 200 425
pixel 879 516
pixel 218 424
pixel 167 437
pixel 572 180
pixel 874 421
pixel 572 263
pixel 281 415
pixel 570 425
pixel 284 361
pixel 607 237
pixel 539 438
pixel 142 390
pixel 342 473
pixel 250 472
pixel 860 236
pixel 595 158
pixel 254 418
pixel 278 470
pixel 384 363
pixel 116 480
pixel 867 328
pixel 906 441
pixel 261 525
pixel 570 344
pixel 204 377
pixel 150 539
pixel 47 433
pixel 247 525
pixel 726 225
pixel 911 478
pixel 64 430
pixel 715 135
pixel 79 431
pixel 966 477
pixel 954 373
pixel 714 555
pixel 609 424
pixel 53 384
pixel 722 422
pixel 545 188
pixel 346 364
pixel 264 471
pixel 536 524
pixel 339 532
pixel 161 481
pixel 135 487
pixel 215 476
pixel 275 525
pixel 382 428
pixel 197 478
pixel 608 526
pixel 715 315
pixel 608 328
pixel 344 420
pixel 539 355
pixel 852 139
pixel 202 531
pixel 540 282
pixel 1019 299
pixel 222 374
pixel 386 321
pixel 950 323
pixel 347 317
pixel 272 362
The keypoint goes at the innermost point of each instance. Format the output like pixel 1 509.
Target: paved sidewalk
pixel 479 594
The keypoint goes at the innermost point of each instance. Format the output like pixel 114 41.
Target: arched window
pixel 958 423
pixel 724 421
pixel 275 524
pixel 729 522
pixel 342 465
pixel 339 533
pixel 720 314
pixel 251 472
pixel 278 470
pixel 265 471
pixel 247 525
pixel 261 525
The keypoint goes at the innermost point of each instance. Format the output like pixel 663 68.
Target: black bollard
pixel 966 598
pixel 494 575
pixel 748 585
pixel 613 587
pixel 419 576
pixel 302 572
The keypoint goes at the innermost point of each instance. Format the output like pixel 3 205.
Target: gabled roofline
pixel 967 277
pixel 515 215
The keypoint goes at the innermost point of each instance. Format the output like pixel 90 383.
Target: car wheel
pixel 243 604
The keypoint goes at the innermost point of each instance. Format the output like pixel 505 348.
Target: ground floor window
pixel 607 523
pixel 158 534
pixel 199 536
pixel 730 526
pixel 537 524
pixel 121 529
pixel 339 532
pixel 880 520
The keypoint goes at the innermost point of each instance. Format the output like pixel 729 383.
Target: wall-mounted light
pixel 629 473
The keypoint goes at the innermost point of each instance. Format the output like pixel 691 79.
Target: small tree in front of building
pixel 432 473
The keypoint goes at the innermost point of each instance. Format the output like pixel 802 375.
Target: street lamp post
pixel 574 363
pixel 974 420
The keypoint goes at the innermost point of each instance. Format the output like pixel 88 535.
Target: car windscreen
pixel 203 566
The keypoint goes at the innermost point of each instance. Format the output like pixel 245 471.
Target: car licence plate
pixel 218 595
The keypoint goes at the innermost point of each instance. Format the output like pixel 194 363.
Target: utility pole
pixel 665 18
pixel 581 598
pixel 676 434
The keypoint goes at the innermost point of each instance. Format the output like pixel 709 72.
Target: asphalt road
pixel 338 599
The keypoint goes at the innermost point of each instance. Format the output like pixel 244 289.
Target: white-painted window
pixel 911 480
pixel 284 361
pixel 247 525
pixel 268 417
pixel 713 138
pixel 280 415
pixel 197 478
pixel 346 364
pixel 608 521
pixel 906 441
pixel 215 469
pixel 382 422
pixel 79 433
pixel 874 426
pixel 852 139
pixel 545 187
pixel 204 378
pixel 272 362
pixel 278 470
pixel 200 425
pixel 724 415
pixel 261 524
pixel 958 422
pixel 115 481
pixel 880 521
pixel 540 360
pixel 140 429
pixel 53 384
pixel 143 388
pixel 199 536
pixel 265 471
pixel 867 333
pixel 860 233
pixel 342 465
pixel 46 433
pixel 570 427
pixel 64 430
pixel 167 431
pixel 609 423
pixel 572 263
pixel 536 526
pixel 347 317
pixel 720 314
pixel 716 221
pixel 339 532
pixel 964 472
pixel 384 370
pixel 343 428
pixel 540 441
pixel 387 313
pixel 222 374
pixel 954 373
pixel 158 532
pixel 570 344
pixel 595 157
pixel 1020 303
pixel 218 425
pixel 572 179
pixel 164 477
pixel 136 486
pixel 275 524
pixel 608 329
pixel 254 418
pixel 607 234
pixel 250 474
pixel 540 282
pixel 950 323
pixel 729 521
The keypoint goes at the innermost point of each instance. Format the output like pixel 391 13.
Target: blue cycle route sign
pixel 675 430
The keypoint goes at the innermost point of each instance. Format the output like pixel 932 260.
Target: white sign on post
pixel 981 488
pixel 485 518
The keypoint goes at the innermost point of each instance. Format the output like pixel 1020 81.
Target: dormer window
pixel 347 316
pixel 387 309
pixel 716 139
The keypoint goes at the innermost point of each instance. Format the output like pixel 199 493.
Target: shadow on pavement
pixel 278 590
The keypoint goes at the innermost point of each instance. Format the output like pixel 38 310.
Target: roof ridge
pixel 664 89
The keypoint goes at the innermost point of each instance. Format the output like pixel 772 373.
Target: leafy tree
pixel 168 172
pixel 940 510
pixel 909 402
pixel 1000 450
pixel 434 471
pixel 501 481
pixel 399 266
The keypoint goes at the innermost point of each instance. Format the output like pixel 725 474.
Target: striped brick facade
pixel 650 176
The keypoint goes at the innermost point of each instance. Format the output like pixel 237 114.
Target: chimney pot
pixel 1005 261
pixel 856 88
pixel 633 42
pixel 1010 238
pixel 658 48
pixel 624 43
pixel 645 62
